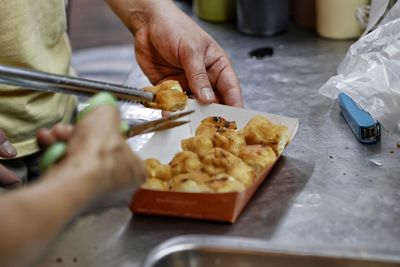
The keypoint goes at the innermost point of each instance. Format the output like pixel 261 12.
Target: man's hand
pixel 169 45
pixel 8 178
pixel 98 165
pixel 99 150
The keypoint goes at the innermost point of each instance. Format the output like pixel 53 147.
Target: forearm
pixel 32 217
pixel 136 13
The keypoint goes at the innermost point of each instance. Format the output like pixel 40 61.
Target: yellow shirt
pixel 33 35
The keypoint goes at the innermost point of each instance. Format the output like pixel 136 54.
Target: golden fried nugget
pixel 171 100
pixel 212 125
pixel 169 96
pixel 207 129
pixel 197 176
pixel 184 162
pixel 157 170
pixel 170 85
pixel 190 182
pixel 219 121
pixel 244 173
pixel 155 184
pixel 152 89
pixel 259 130
pixel 221 161
pixel 259 157
pixel 199 144
pixel 229 140
pixel 223 183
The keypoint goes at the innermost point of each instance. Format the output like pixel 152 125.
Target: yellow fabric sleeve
pixel 33 35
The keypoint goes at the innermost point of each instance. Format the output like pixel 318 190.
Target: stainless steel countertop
pixel 323 191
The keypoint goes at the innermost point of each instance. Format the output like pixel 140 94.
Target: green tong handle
pixel 57 150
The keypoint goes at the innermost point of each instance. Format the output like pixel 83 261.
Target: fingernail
pixel 13 185
pixel 9 148
pixel 207 94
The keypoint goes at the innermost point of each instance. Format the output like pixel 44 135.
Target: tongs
pixel 48 82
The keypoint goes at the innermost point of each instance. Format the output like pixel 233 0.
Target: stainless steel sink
pixel 219 251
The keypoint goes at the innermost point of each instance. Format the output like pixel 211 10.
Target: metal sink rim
pixel 233 243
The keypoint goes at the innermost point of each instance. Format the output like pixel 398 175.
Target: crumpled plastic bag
pixel 370 72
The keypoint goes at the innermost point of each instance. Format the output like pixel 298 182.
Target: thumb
pixel 197 77
pixel 7 150
pixel 9 179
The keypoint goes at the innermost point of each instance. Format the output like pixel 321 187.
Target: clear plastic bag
pixel 370 72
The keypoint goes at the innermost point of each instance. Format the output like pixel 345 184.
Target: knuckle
pixel 200 76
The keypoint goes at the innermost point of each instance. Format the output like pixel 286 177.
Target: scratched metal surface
pixel 325 190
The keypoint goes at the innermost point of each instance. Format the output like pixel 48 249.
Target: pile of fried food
pixel 220 158
pixel 168 96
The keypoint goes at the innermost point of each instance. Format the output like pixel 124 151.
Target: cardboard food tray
pixel 163 145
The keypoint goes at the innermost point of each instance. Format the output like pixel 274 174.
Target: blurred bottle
pixel 262 17
pixel 304 12
pixel 215 10
pixel 336 19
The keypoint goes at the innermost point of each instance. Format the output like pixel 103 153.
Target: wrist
pixel 81 182
pixel 136 14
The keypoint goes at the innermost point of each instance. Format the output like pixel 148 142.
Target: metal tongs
pixel 48 82
pixel 54 83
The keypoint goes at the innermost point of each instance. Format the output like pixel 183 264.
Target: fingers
pixel 97 137
pixel 100 123
pixel 223 77
pixel 229 88
pixel 196 74
pixel 138 170
pixel 60 132
pixel 212 69
pixel 7 150
pixel 9 179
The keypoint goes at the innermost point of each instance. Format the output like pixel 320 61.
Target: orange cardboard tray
pixel 225 207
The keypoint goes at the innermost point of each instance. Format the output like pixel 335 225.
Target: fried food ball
pixel 259 157
pixel 220 121
pixel 259 130
pixel 244 173
pixel 223 183
pixel 170 85
pixel 184 162
pixel 152 89
pixel 169 96
pixel 171 100
pixel 221 161
pixel 155 184
pixel 157 170
pixel 199 144
pixel 197 176
pixel 190 182
pixel 207 129
pixel 211 125
pixel 229 140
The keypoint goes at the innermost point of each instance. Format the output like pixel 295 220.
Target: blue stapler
pixel 363 125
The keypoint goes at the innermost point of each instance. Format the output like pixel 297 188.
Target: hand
pixel 98 164
pixel 172 46
pixel 98 150
pixel 7 178
pixel 169 45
